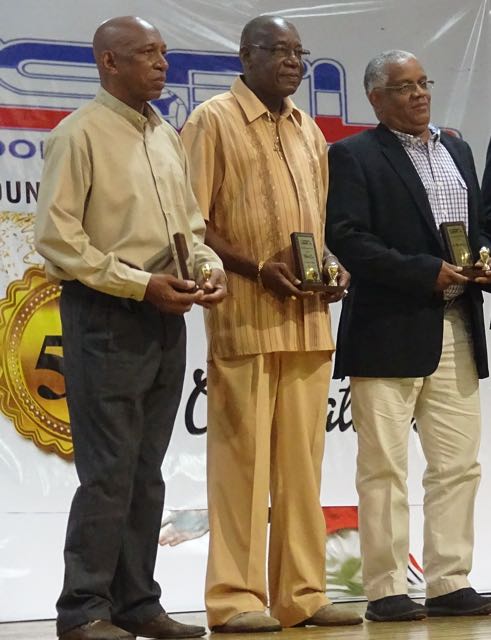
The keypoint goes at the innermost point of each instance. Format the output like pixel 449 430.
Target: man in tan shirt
pixel 114 191
pixel 259 171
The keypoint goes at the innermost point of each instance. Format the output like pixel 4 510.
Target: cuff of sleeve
pixel 136 287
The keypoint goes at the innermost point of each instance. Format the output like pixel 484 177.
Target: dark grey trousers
pixel 124 367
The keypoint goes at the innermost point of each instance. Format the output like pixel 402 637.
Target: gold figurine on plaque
pixel 312 275
pixel 484 258
pixel 206 272
pixel 333 273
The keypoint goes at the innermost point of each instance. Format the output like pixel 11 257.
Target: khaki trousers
pixel 266 429
pixel 447 411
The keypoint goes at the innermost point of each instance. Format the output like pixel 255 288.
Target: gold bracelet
pixel 260 266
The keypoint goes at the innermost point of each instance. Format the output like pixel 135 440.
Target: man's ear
pixel 245 57
pixel 376 100
pixel 108 62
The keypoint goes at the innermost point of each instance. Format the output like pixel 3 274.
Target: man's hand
pixel 449 274
pixel 172 295
pixel 214 289
pixel 344 278
pixel 485 278
pixel 277 277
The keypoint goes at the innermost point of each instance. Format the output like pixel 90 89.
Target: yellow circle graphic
pixel 32 386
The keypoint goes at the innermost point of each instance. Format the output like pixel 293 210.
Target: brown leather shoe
pixel 164 627
pixel 331 616
pixel 97 630
pixel 249 622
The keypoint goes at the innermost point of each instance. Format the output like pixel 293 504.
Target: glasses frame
pixel 298 53
pixel 414 86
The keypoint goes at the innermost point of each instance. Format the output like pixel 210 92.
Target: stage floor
pixel 478 628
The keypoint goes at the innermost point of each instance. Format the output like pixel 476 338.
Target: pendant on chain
pixel 276 138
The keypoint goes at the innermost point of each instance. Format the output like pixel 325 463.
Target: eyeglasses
pixel 410 87
pixel 279 52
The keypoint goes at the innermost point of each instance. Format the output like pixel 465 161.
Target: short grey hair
pixel 376 72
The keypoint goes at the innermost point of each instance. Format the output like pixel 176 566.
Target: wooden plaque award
pixel 308 268
pixel 457 245
pixel 306 262
pixel 182 257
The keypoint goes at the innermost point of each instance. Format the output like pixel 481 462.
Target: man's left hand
pixel 214 288
pixel 484 279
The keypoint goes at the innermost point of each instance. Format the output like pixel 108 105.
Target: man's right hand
pixel 277 277
pixel 170 294
pixel 449 274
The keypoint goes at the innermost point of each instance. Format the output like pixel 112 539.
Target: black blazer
pixel 486 185
pixel 380 226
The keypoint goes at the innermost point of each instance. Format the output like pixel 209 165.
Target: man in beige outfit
pixel 114 191
pixel 259 171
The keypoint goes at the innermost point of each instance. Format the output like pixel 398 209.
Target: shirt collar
pixel 253 108
pixel 408 140
pixel 138 120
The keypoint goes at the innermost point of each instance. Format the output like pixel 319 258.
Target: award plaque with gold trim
pixel 307 266
pixel 456 242
pixel 182 257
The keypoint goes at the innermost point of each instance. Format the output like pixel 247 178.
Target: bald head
pixel 118 35
pixel 130 57
pixel 261 27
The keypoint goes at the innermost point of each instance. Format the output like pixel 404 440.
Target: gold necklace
pixel 276 137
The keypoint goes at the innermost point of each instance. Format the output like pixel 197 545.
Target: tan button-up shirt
pixel 114 190
pixel 257 181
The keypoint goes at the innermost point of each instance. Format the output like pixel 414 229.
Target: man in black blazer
pixel 486 184
pixel 411 338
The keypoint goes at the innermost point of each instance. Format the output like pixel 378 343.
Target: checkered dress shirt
pixel 445 187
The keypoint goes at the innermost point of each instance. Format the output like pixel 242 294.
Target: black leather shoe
pixel 164 627
pixel 97 630
pixel 463 602
pixel 395 609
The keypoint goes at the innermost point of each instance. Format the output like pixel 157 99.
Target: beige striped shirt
pixel 254 196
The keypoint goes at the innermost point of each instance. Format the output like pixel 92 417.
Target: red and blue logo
pixel 42 81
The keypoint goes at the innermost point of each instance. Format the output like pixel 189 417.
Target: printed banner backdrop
pixel 47 70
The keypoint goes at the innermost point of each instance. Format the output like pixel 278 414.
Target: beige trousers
pixel 266 429
pixel 447 411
